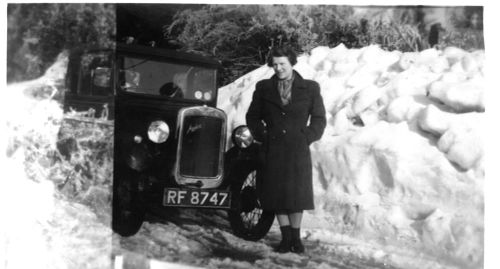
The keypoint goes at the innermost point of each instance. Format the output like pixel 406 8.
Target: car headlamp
pixel 242 136
pixel 158 131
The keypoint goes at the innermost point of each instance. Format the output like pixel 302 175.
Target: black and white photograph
pixel 248 135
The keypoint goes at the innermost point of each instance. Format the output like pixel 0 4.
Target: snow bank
pixel 401 160
pixel 40 227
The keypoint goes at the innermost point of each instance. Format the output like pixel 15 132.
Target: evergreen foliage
pixel 241 36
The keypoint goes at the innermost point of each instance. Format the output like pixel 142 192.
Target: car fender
pixel 138 157
pixel 237 157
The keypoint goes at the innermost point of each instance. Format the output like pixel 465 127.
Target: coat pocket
pixel 305 133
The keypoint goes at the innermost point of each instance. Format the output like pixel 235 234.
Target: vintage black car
pixel 170 139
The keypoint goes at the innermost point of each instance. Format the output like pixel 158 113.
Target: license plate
pixel 196 198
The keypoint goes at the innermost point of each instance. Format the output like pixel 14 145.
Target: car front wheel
pixel 247 218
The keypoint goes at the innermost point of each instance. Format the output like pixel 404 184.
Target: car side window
pixel 95 75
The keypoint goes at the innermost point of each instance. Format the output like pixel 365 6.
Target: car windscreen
pixel 149 76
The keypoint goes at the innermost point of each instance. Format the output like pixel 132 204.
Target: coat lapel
pixel 272 93
pixel 298 91
pixel 298 87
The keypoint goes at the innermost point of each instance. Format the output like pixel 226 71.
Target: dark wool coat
pixel 286 133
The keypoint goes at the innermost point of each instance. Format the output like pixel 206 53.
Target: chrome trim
pixel 208 182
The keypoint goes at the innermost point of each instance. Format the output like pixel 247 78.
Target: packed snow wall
pixel 56 210
pixel 401 160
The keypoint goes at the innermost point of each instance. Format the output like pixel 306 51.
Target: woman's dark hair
pixel 282 52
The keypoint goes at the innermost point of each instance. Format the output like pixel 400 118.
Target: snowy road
pixel 202 238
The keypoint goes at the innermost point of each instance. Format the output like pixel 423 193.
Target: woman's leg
pixel 283 219
pixel 286 232
pixel 295 221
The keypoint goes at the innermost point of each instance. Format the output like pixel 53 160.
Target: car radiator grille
pixel 200 146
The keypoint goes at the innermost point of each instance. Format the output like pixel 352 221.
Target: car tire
pixel 247 219
pixel 128 207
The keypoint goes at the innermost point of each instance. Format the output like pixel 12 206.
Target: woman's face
pixel 282 67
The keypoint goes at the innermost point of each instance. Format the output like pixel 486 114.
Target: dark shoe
pixel 285 244
pixel 283 247
pixel 296 244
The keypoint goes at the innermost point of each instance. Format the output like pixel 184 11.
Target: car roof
pixel 168 54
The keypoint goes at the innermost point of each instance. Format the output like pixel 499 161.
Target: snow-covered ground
pixel 398 175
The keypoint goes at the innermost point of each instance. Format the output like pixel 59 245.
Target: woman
pixel 279 113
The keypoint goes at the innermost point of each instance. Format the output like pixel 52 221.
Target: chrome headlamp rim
pixel 158 131
pixel 242 137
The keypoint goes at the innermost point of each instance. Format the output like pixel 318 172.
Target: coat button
pixel 283 113
pixel 284 131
